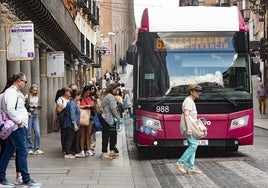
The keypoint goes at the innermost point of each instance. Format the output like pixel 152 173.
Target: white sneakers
pixel 37 152
pixel 80 155
pixel 89 153
pixel 69 156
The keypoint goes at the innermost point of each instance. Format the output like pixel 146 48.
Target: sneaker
pixel 30 152
pixel 38 152
pixel 5 183
pixel 89 153
pixel 194 171
pixel 180 167
pixel 18 181
pixel 31 183
pixel 80 155
pixel 69 156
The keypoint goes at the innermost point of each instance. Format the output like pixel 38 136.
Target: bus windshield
pixel 170 62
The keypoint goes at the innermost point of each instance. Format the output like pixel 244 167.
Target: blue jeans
pixel 15 142
pixel 189 154
pixel 33 123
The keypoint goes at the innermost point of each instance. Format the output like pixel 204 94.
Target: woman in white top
pixel 189 112
pixel 61 103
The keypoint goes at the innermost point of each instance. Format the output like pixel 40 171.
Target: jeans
pixel 189 154
pixel 16 142
pixel 33 123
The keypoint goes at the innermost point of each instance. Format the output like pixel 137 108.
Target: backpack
pixel 6 124
pixel 59 121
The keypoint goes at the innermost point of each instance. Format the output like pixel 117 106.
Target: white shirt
pixel 12 104
pixel 62 101
pixel 188 104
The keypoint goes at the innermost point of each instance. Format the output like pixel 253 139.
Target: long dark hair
pixel 13 79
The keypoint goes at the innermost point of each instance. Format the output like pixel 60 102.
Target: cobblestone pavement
pixel 245 168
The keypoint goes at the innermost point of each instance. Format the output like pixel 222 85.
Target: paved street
pixel 245 168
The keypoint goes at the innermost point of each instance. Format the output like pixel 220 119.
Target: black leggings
pixel 109 133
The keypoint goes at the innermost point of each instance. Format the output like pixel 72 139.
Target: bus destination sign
pixel 194 43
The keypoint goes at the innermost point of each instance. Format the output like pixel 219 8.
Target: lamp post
pixel 259 7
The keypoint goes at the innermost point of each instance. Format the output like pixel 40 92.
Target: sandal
pixel 105 156
pixel 113 154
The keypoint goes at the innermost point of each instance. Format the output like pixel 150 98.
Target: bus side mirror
pixel 241 42
pixel 131 54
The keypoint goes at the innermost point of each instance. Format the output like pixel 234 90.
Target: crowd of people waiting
pixel 79 109
pixel 77 135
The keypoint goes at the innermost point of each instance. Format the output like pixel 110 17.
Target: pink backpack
pixel 6 125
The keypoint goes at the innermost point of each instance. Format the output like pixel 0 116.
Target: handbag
pixel 97 124
pixel 198 128
pixel 84 117
pixel 56 126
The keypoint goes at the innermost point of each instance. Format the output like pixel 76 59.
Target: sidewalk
pixel 124 77
pixel 52 170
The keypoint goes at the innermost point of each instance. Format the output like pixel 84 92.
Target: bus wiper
pixel 227 98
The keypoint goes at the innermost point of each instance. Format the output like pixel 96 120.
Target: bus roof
pixel 192 18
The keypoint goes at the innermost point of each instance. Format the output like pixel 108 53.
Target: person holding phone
pixel 32 100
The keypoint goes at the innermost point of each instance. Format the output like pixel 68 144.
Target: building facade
pixel 68 26
pixel 116 32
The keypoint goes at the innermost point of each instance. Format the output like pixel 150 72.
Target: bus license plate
pixel 200 142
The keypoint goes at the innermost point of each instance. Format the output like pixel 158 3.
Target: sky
pixel 140 5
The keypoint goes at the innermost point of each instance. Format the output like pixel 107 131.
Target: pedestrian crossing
pixel 216 174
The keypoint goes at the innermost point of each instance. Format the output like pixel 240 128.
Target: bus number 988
pixel 162 109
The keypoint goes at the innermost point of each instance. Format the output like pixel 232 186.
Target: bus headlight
pixel 239 122
pixel 151 123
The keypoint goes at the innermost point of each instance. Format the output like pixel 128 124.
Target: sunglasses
pixel 25 81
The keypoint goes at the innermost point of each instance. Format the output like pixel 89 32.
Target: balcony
pixel 90 8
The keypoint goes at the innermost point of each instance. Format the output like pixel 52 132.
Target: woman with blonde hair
pixel 33 106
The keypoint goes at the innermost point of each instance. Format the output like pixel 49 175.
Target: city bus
pixel 180 46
